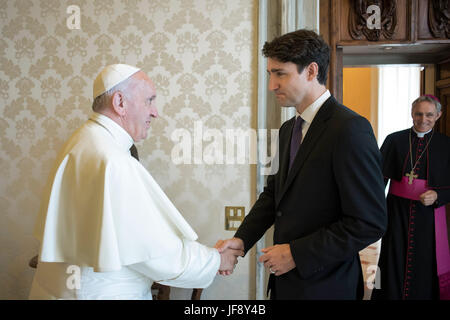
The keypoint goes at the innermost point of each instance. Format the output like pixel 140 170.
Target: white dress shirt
pixel 310 112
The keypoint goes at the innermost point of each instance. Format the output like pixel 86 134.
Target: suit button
pixel 279 214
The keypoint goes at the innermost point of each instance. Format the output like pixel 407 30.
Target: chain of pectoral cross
pixel 411 176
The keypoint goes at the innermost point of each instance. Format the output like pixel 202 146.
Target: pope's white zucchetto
pixel 111 76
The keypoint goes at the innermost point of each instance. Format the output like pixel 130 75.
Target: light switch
pixel 233 217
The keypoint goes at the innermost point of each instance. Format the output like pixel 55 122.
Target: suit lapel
pixel 310 141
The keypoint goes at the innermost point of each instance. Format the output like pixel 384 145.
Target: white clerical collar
pixel 119 134
pixel 421 134
pixel 310 112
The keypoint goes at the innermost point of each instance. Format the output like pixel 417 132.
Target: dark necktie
pixel 296 140
pixel 134 152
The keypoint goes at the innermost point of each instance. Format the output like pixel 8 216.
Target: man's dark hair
pixel 300 47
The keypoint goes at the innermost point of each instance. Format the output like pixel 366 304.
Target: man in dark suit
pixel 327 199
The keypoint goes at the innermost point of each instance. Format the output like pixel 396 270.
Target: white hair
pixel 420 99
pixel 102 100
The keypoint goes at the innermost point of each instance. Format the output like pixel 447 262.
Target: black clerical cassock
pixel 408 250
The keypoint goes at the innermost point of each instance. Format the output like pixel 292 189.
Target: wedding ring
pixel 271 271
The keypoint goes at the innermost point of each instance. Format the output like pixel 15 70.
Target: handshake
pixel 229 251
pixel 278 258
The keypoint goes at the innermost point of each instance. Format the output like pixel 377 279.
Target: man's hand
pixel 278 259
pixel 237 245
pixel 428 198
pixel 228 260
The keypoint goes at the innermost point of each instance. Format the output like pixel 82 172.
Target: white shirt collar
pixel 421 134
pixel 119 134
pixel 310 112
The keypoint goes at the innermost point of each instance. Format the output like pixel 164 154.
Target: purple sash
pixel 413 191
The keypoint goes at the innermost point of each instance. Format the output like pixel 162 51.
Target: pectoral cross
pixel 411 176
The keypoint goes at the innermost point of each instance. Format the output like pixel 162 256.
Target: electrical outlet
pixel 233 217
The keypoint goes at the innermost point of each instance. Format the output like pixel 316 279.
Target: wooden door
pixel 443 93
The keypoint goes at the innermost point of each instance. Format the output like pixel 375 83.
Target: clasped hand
pixel 229 250
pixel 228 257
pixel 278 258
pixel 428 198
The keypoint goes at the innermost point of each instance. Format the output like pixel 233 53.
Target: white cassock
pixel 102 212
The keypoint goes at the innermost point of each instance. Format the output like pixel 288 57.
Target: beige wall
pixel 200 53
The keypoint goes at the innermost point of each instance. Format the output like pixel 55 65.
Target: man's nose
pixel 273 85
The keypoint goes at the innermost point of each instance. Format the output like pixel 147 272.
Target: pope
pixel 102 212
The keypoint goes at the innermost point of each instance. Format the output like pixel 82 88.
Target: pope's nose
pixel 154 113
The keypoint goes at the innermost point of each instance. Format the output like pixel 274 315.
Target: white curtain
pixel 398 87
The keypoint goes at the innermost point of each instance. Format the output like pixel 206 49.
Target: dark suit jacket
pixel 328 207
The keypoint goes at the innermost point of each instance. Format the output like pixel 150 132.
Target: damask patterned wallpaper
pixel 201 55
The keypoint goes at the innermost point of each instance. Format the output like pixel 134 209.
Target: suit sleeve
pixel 363 220
pixel 260 218
pixel 262 215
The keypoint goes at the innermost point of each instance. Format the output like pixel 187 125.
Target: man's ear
pixel 313 71
pixel 118 103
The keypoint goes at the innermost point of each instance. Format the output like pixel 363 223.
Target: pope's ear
pixel 117 102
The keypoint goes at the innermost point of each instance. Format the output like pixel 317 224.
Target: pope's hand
pixel 428 198
pixel 235 244
pixel 228 260
pixel 278 259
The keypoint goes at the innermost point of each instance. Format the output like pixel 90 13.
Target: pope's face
pixel 140 107
pixel 424 116
pixel 289 86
